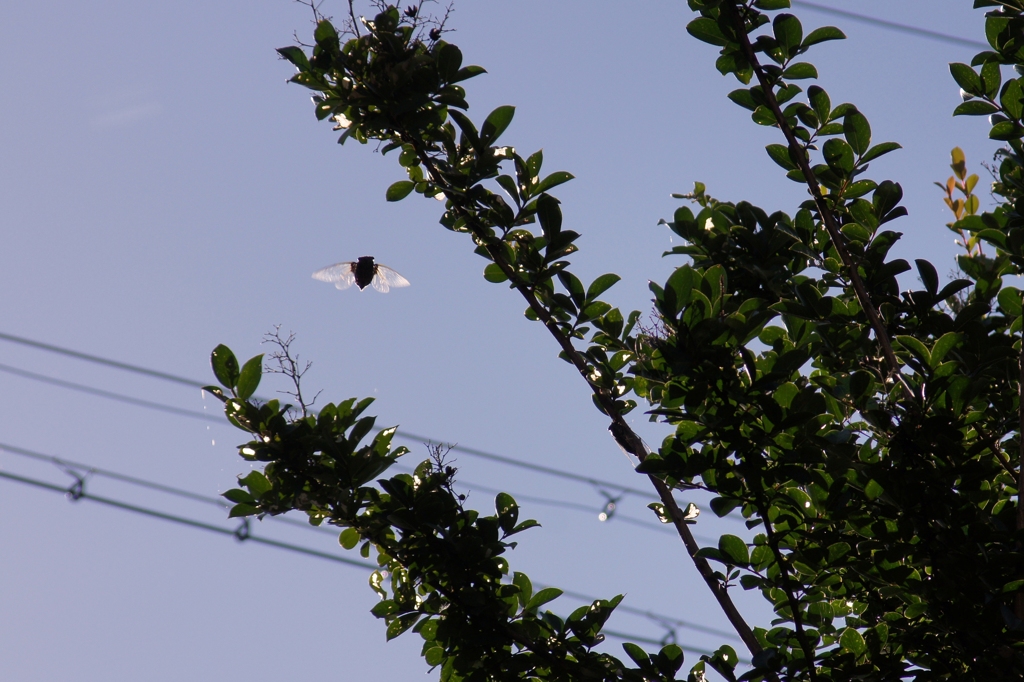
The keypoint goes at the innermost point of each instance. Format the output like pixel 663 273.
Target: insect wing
pixel 385 278
pixel 342 275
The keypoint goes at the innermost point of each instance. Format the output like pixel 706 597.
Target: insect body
pixel 363 273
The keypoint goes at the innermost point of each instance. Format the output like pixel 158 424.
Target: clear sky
pixel 164 190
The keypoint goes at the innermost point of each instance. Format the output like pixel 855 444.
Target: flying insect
pixel 363 273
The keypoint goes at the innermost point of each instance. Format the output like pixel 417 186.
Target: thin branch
pixel 352 18
pixel 623 434
pixel 288 365
pixel 828 218
pixel 1020 472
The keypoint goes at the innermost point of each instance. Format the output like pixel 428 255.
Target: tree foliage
pixel 871 437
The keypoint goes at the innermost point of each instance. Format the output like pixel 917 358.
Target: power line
pixel 120 397
pixel 90 470
pixel 81 471
pixel 244 534
pixel 101 361
pixel 550 471
pixel 892 25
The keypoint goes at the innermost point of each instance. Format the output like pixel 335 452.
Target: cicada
pixel 363 273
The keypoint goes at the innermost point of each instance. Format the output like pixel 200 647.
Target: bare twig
pixel 352 18
pixel 287 364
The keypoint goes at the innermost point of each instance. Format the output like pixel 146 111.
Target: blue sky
pixel 164 190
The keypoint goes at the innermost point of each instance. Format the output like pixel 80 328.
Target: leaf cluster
pixel 442 573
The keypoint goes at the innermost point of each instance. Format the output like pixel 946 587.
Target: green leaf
pixel 467 72
pixel 853 641
pixel 991 78
pixel 225 366
pixel 820 35
pixel 574 286
pixel 873 490
pixel 1006 131
pixel 800 71
pixel 857 131
pixel 967 79
pixel 528 523
pixel 401 624
pixel 763 116
pixel 449 59
pixel 496 123
pixel 522 581
pixel 549 215
pixel 1010 301
pixel 859 189
pixel 975 107
pixel 349 538
pixel 434 656
pixel 669 660
pixel 788 32
pixel 238 496
pixel 543 597
pixel 820 102
pixel 295 55
pixel 779 153
pixel 707 30
pixel 553 180
pixel 325 32
pixel 879 150
pixel 838 155
pixel 771 5
pixel 1010 98
pixel 638 655
pixel 723 505
pixel 734 550
pixel 600 285
pixel 916 348
pixel 951 340
pixel 508 184
pixel 466 126
pixel 508 511
pixel 242 510
pixel 743 97
pixel 400 190
pixel 493 273
pixel 249 379
pixel 256 482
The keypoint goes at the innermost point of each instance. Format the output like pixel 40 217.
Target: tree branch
pixel 620 428
pixel 799 156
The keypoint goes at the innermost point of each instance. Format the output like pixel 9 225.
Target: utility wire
pixel 195 414
pixel 550 471
pixel 101 361
pixel 90 470
pixel 240 534
pixel 82 471
pixel 243 534
pixel 892 25
pixel 120 397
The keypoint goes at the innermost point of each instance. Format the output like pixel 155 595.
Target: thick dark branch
pixel 827 216
pixel 1020 470
pixel 787 586
pixel 604 398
